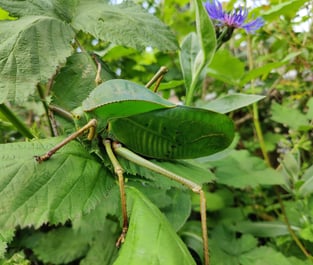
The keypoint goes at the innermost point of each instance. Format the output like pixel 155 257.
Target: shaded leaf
pixel 31 48
pixel 76 80
pixel 162 246
pixel 125 24
pixel 59 246
pixel 69 184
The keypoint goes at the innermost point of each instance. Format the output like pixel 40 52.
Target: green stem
pixel 46 107
pixel 18 124
pixel 255 113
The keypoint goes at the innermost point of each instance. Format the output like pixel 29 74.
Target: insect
pixel 138 124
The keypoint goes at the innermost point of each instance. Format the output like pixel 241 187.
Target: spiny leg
pixel 91 126
pixel 119 172
pixel 131 156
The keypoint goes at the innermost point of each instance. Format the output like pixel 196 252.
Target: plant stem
pixel 259 133
pixel 18 124
pixel 255 113
pixel 46 107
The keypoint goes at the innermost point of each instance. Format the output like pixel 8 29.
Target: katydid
pixel 149 126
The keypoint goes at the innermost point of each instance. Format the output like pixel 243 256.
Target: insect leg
pixel 131 156
pixel 119 172
pixel 157 78
pixel 91 126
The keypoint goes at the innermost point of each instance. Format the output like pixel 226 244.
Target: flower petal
pixel 253 25
pixel 215 9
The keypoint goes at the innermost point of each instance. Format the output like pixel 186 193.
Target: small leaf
pixel 69 184
pixel 232 102
pixel 150 238
pixel 118 98
pixel 31 48
pixel 125 24
pixel 263 229
pixel 290 117
pixel 241 170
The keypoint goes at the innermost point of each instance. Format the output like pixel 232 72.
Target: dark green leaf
pixel 174 133
pixel 126 24
pixel 76 80
pixel 69 184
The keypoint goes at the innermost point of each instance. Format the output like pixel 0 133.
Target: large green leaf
pixel 33 193
pixel 119 98
pixel 62 9
pixel 126 24
pixel 150 238
pixel 31 48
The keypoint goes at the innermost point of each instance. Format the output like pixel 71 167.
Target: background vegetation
pixel 259 190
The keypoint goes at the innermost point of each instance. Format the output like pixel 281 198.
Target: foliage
pixel 64 62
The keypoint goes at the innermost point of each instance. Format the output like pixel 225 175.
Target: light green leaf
pixel 126 24
pixel 307 187
pixel 69 184
pixel 206 35
pixel 232 102
pixel 242 170
pixel 150 238
pixel 226 67
pixel 31 48
pixel 62 9
pixel 287 8
pixel 264 70
pixel 117 98
pixel 190 47
pixel 290 117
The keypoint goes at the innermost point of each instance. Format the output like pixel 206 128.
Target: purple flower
pixel 235 19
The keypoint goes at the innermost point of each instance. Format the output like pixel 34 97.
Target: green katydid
pixel 150 126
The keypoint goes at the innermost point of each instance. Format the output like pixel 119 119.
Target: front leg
pixel 91 126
